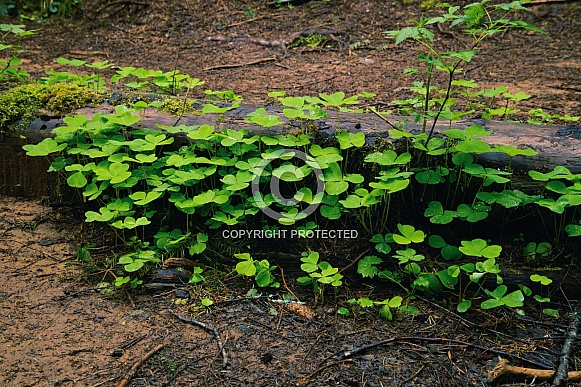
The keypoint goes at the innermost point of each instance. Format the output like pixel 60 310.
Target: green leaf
pixel 463 306
pixel 142 198
pixel 514 299
pixel 479 248
pixel 246 268
pixel 408 235
pixel 573 230
pixel 544 280
pixel 473 146
pixel 366 267
pixel 77 180
pixel 436 241
pixel 415 33
pixel 44 148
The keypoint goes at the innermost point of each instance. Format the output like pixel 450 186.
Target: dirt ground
pixel 56 329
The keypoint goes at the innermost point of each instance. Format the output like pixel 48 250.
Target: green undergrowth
pixel 435 218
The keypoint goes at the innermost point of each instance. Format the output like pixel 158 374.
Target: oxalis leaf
pixel 408 235
pixel 479 248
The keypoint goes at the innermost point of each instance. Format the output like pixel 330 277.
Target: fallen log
pixel 556 145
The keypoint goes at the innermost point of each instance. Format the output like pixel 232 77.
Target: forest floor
pixel 57 329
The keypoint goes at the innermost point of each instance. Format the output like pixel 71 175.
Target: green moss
pixel 22 104
pixel 176 106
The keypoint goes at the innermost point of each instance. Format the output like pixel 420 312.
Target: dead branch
pixel 252 20
pixel 126 2
pixel 303 84
pixel 231 66
pixel 259 41
pixel 278 43
pixel 372 109
pixel 503 368
pixel 440 340
pixel 138 364
pixel 308 378
pixel 354 261
pixel 541 2
pixel 210 329
pixel 562 375
pixel 286 286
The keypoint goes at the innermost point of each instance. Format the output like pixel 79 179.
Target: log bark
pixel 556 145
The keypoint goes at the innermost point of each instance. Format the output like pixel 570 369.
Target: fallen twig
pixel 210 329
pixel 503 368
pixel 562 375
pixel 252 20
pixel 127 2
pixel 286 286
pixel 382 117
pixel 354 261
pixel 307 378
pixel 259 41
pixel 441 340
pixel 138 364
pixel 231 66
pixel 540 2
pixel 304 84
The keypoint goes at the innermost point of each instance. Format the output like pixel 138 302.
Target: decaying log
pixel 504 369
pixel 556 145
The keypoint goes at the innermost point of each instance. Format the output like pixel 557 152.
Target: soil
pixel 57 329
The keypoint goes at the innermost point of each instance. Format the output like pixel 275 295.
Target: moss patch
pixel 22 104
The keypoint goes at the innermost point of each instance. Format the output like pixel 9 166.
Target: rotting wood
pixel 505 369
pixel 556 145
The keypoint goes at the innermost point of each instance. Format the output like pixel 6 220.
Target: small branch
pixel 127 2
pixel 307 378
pixel 286 286
pixel 231 66
pixel 354 261
pixel 259 41
pixel 183 107
pixel 561 375
pixel 252 20
pixel 355 351
pixel 382 117
pixel 304 84
pixel 210 329
pixel 138 364
pixel 540 2
pixel 503 368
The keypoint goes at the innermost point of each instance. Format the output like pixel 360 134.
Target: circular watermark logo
pixel 288 172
